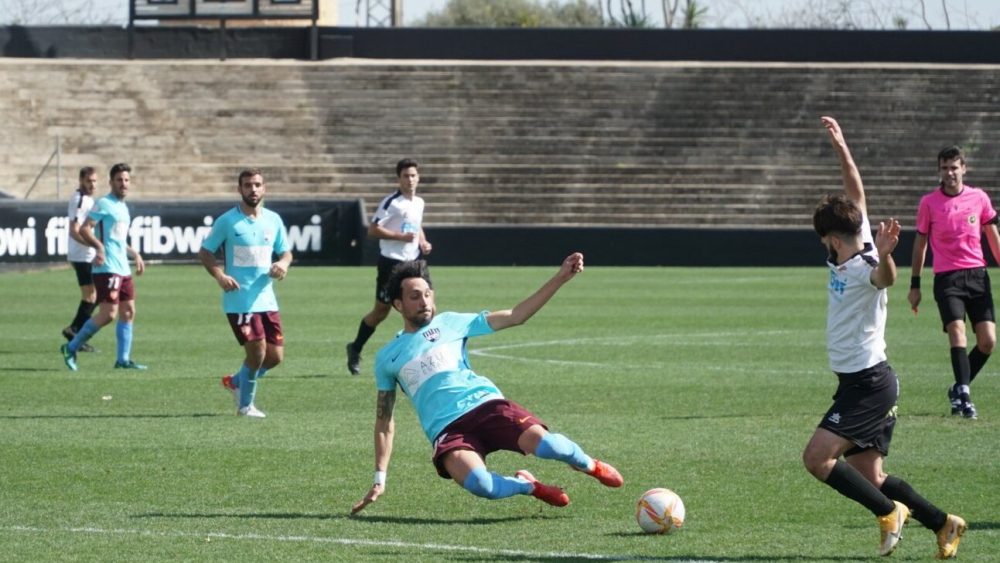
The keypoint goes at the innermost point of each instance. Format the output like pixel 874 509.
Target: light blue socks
pixel 123 334
pixel 559 447
pixel 483 483
pixel 86 331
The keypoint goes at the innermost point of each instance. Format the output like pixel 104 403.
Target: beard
pixel 249 200
pixel 422 318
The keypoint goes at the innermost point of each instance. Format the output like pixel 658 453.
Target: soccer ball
pixel 659 511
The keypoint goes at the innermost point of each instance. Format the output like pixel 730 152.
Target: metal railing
pixel 57 155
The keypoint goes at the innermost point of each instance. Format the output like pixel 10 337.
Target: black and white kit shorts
pixel 864 408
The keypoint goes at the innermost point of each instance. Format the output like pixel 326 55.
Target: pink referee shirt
pixel 953 225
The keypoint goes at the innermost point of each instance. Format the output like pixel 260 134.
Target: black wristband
pixel 914 282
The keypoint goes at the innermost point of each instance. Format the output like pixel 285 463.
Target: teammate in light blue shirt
pixel 251 236
pixel 106 230
pixel 462 413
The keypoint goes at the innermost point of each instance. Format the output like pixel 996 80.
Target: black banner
pixel 320 231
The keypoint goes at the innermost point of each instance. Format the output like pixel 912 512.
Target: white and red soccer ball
pixel 659 511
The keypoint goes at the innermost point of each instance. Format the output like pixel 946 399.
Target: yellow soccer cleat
pixel 949 536
pixel 891 526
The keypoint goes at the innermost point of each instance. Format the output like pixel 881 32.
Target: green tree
pixel 514 13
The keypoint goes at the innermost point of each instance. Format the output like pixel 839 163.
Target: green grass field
pixel 706 381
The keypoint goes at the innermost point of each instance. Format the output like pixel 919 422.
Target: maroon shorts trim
pixel 248 327
pixel 492 426
pixel 113 288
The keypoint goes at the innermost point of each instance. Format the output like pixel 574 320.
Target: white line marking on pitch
pixel 674 339
pixel 341 541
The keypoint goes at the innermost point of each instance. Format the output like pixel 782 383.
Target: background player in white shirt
pixel 398 226
pixel 859 425
pixel 79 254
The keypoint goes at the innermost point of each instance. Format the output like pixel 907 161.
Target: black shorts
pixel 84 273
pixel 962 292
pixel 385 266
pixel 864 408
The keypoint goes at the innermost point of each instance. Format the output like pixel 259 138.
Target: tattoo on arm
pixel 384 404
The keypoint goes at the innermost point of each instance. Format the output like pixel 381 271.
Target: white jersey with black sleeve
pixel 397 213
pixel 856 312
pixel 80 205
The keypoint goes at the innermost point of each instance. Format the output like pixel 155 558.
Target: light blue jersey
pixel 432 368
pixel 250 246
pixel 112 222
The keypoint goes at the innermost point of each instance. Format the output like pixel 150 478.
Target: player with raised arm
pixel 463 414
pixel 847 449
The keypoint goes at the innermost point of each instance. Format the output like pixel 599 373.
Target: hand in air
pixel 887 237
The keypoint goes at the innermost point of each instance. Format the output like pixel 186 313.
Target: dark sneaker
pixel 353 359
pixel 546 493
pixel 969 411
pixel 69 334
pixel 129 365
pixel 956 402
pixel 68 357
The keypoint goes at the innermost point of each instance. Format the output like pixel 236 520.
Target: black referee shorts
pixel 962 292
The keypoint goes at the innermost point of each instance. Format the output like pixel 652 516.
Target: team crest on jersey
pixel 432 335
pixel 972 219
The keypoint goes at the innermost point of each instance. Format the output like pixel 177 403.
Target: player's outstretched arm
pixel 571 266
pixel 853 187
pixel 385 429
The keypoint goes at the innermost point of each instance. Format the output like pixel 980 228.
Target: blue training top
pixel 250 246
pixel 432 368
pixel 112 223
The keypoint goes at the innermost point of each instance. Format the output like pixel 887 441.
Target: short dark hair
pixel 951 153
pixel 404 164
pixel 838 215
pixel 116 169
pixel 86 171
pixel 246 173
pixel 404 271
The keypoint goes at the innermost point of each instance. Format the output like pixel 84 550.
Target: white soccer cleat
pixel 251 411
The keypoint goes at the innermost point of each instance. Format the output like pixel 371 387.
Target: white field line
pixel 341 541
pixel 679 339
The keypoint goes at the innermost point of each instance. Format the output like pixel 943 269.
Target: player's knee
pixel 986 344
pixel 480 483
pixel 272 361
pixel 815 464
